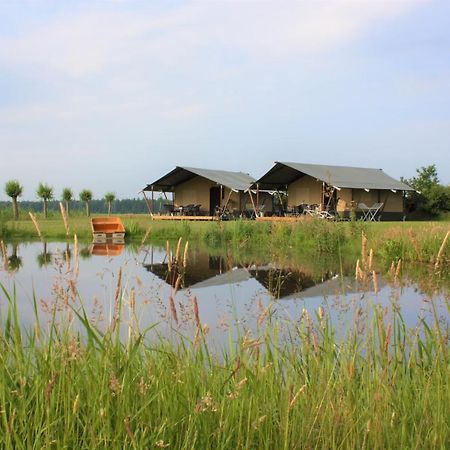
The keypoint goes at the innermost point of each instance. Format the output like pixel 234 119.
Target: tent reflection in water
pixel 209 271
pixel 201 267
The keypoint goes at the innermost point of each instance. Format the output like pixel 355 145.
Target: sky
pixel 111 95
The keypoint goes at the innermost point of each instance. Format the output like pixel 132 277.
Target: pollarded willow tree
pixel 109 198
pixel 67 197
pixel 86 197
pixel 45 192
pixel 14 189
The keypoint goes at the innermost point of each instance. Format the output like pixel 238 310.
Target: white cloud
pixel 93 41
pixel 107 61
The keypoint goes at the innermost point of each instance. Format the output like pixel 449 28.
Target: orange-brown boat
pixel 107 228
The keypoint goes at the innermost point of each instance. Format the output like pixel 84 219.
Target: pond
pixel 229 291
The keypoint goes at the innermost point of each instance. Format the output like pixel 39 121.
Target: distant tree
pixel 426 178
pixel 109 198
pixel 67 197
pixel 14 189
pixel 45 192
pixel 429 196
pixel 86 197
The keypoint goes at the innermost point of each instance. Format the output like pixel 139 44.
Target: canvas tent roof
pixel 238 181
pixel 284 173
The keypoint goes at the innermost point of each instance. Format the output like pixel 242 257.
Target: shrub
pixel 392 250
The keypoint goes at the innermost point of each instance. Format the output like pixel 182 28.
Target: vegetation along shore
pixel 409 241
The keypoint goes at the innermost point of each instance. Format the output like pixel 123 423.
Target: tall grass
pixel 287 385
pixel 4 218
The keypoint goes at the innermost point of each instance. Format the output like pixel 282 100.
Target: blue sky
pixel 111 95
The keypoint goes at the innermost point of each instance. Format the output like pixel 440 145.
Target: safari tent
pixel 203 192
pixel 338 188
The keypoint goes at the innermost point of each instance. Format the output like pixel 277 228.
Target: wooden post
pixel 330 199
pixel 322 203
pixel 257 197
pixel 147 203
pixel 153 200
pixel 253 203
pixel 226 203
pixel 281 202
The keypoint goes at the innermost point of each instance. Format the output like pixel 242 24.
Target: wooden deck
pixel 283 219
pixel 195 218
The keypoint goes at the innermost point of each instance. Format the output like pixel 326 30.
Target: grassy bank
pixel 409 241
pixel 385 388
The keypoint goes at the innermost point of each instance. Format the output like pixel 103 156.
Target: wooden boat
pixel 104 228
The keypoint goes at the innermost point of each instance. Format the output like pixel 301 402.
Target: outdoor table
pixel 370 212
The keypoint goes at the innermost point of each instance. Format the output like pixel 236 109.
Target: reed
pixel 36 225
pixel 68 383
pixel 304 388
pixel 441 251
pixel 65 219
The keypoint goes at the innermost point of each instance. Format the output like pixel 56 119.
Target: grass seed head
pixel 297 396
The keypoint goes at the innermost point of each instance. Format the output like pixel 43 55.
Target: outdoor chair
pixel 188 210
pixel 365 211
pixel 310 210
pixel 196 210
pixel 168 209
pixel 329 215
pixel 249 213
pixel 289 211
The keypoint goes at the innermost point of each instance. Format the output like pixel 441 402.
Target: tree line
pixel 85 201
pixel 429 198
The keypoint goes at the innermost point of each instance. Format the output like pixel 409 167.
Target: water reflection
pixel 44 258
pixel 283 282
pixel 228 290
pixel 107 249
pixel 208 271
pixel 201 267
pixel 14 261
pixel 85 252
